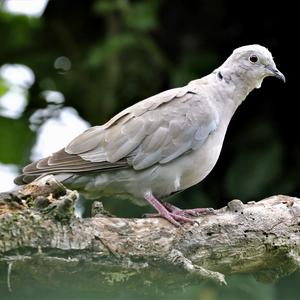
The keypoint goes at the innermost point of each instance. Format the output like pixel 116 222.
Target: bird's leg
pixel 194 212
pixel 172 217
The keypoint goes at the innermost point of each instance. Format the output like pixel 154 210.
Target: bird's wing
pixel 156 130
pixel 180 127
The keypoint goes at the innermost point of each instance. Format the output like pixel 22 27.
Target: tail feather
pixel 62 164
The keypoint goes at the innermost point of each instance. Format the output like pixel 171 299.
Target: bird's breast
pixel 199 163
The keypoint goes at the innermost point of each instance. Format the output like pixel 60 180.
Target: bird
pixel 163 144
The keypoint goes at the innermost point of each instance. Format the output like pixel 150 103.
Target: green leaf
pixel 142 15
pixel 108 6
pixel 101 53
pixel 16 140
pixel 192 66
pixel 3 87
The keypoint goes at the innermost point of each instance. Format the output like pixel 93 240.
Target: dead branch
pixel 42 242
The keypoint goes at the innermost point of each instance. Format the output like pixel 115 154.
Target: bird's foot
pixel 163 212
pixel 172 213
pixel 191 212
pixel 173 218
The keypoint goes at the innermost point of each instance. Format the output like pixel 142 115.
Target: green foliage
pixel 139 15
pixel 17 33
pixel 107 6
pixel 3 88
pixel 112 46
pixel 142 15
pixel 123 51
pixel 16 140
pixel 192 65
pixel 259 161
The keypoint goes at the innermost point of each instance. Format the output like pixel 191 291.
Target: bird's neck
pixel 241 81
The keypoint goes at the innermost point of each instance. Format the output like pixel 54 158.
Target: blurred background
pixel 67 65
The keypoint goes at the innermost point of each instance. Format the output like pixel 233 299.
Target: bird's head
pixel 252 64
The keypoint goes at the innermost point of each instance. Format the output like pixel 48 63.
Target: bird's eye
pixel 253 58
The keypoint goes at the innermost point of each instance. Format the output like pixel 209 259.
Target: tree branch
pixel 42 241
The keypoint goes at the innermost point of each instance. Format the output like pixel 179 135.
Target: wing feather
pixel 156 130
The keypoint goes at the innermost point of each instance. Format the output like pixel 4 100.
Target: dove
pixel 163 144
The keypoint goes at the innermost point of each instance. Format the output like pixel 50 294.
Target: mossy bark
pixel 43 244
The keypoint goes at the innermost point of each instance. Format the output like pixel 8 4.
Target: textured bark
pixel 42 243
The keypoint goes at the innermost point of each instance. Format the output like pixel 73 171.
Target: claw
pixel 174 214
pixel 193 212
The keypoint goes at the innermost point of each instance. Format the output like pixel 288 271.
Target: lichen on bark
pixel 43 243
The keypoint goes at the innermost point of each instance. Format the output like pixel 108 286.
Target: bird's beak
pixel 276 73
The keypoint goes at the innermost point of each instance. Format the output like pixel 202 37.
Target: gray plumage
pixel 163 144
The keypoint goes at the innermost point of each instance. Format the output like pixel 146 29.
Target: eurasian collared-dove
pixel 163 144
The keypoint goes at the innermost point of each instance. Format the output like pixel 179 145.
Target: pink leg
pixel 195 212
pixel 172 217
pixel 186 213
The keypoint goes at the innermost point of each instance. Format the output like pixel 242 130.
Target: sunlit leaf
pixel 16 141
pixel 3 88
